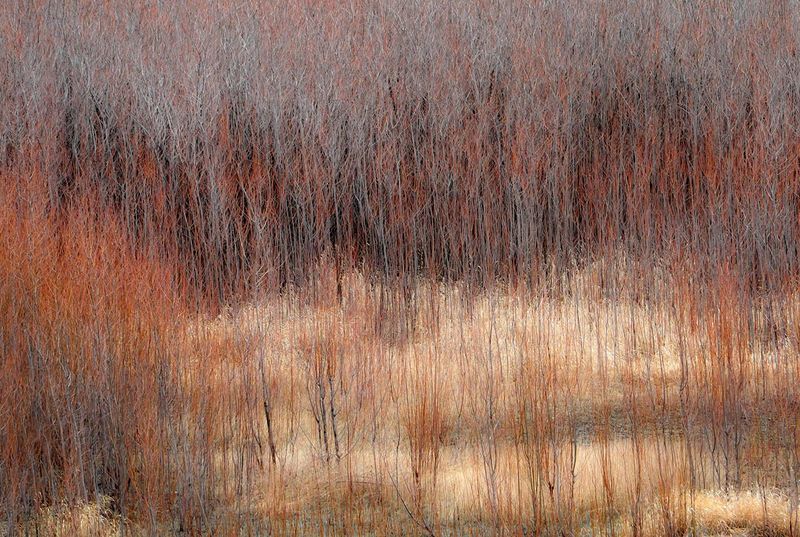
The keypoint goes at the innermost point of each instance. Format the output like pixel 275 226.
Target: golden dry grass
pixel 428 415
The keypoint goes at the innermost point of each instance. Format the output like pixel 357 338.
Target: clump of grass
pixel 96 519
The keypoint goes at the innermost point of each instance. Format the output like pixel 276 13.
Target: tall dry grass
pixel 399 267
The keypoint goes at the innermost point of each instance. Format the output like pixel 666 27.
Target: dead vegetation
pixel 458 267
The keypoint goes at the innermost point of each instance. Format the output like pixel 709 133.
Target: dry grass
pixel 617 429
pixel 87 520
